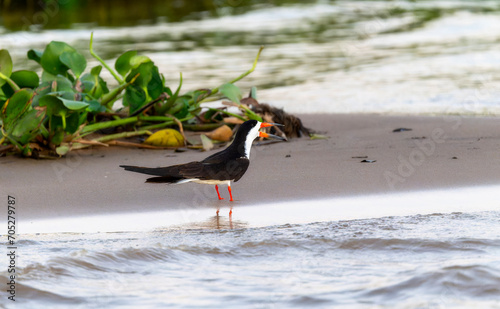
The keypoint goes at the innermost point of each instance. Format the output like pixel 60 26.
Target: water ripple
pixel 475 281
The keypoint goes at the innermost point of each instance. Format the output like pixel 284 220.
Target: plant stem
pixel 15 143
pixel 109 124
pixel 3 136
pixel 146 107
pixel 11 83
pixel 166 123
pixel 115 75
pixel 110 96
pixel 228 113
pixel 120 135
pixel 250 113
pixel 155 118
pixel 215 90
pixel 203 127
pixel 158 126
pixel 171 101
pixel 63 117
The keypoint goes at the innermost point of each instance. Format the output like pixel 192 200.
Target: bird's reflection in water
pixel 217 222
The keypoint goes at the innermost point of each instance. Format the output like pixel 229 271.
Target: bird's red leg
pixel 217 189
pixel 230 194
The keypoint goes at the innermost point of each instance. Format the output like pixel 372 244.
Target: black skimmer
pixel 220 168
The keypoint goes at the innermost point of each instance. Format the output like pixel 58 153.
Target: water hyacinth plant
pixel 54 113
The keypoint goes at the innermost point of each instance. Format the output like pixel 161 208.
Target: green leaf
pixel 50 59
pixel 60 110
pixel 95 107
pixel 28 126
pixel 94 84
pixel 145 71
pixel 134 98
pixel 62 150
pixel 43 89
pixel 25 79
pixel 63 84
pixel 184 110
pixel 3 98
pixel 57 104
pixel 47 77
pixel 72 122
pixel 6 92
pixel 155 85
pixel 58 132
pixel 44 132
pixel 181 104
pixel 74 105
pixel 88 84
pixel 74 61
pixel 5 65
pixel 253 93
pixel 231 92
pixel 54 105
pixel 35 55
pixel 137 60
pixel 95 71
pixel 122 64
pixel 168 91
pixel 103 85
pixel 15 107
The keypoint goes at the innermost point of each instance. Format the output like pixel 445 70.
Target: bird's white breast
pixel 212 182
pixel 252 135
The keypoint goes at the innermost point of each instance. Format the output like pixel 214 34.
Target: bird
pixel 220 168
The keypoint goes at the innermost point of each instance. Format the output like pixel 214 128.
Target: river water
pixel 420 261
pixel 425 57
pixel 420 57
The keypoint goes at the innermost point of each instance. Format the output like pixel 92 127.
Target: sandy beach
pixel 437 153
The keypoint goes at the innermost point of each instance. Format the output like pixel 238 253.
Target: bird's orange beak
pixel 270 124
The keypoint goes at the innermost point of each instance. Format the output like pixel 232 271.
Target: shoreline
pixel 440 152
pixel 435 202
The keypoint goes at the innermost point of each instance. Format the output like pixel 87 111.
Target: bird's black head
pixel 247 133
pixel 245 128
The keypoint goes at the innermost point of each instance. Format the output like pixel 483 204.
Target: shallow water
pixel 420 261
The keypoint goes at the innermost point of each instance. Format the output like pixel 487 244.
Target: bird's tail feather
pixel 164 179
pixel 156 171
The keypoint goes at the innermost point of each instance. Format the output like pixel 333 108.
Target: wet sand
pixel 438 153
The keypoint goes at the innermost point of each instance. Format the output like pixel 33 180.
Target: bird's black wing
pixel 229 170
pixel 217 167
pixel 191 169
pixel 243 165
pixel 219 157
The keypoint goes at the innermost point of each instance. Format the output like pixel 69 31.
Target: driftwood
pixel 293 126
